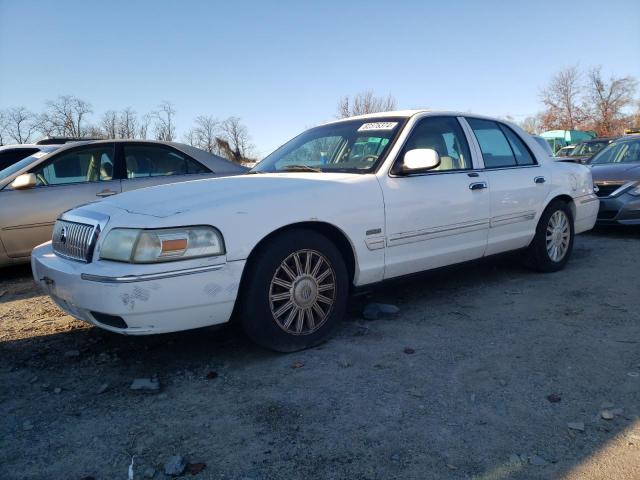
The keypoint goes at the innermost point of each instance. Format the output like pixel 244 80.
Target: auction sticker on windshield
pixel 378 126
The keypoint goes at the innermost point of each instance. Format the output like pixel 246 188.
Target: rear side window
pixel 520 150
pixel 158 161
pixel 495 147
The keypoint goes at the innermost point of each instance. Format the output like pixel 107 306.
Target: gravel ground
pixel 478 377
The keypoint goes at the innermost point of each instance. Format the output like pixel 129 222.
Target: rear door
pixel 149 164
pixel 518 185
pixel 66 180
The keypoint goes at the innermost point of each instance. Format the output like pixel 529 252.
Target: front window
pixel 86 164
pixel 356 146
pixel 619 152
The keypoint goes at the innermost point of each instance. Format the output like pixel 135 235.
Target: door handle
pixel 477 185
pixel 105 193
pixel 539 179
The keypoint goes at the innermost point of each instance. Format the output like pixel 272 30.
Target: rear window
pixel 495 147
pixel 520 150
pixel 501 147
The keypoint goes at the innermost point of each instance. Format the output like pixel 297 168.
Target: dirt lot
pixel 490 343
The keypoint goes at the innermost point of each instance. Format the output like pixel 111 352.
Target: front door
pixel 72 178
pixel 441 216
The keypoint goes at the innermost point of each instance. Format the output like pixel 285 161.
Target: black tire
pixel 537 256
pixel 256 310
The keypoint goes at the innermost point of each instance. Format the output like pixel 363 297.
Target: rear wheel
pixel 296 291
pixel 552 245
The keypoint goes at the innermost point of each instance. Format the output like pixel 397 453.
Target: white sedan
pixel 344 205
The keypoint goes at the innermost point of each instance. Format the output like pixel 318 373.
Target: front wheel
pixel 295 291
pixel 552 245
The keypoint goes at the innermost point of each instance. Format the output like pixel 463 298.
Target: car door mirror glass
pixel 24 181
pixel 420 159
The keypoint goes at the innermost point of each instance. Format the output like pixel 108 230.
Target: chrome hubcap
pixel 302 292
pixel 558 236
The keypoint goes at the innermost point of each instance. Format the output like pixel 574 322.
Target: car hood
pixel 232 192
pixel 622 172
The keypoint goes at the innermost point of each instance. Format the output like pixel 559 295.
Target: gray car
pixel 37 189
pixel 616 173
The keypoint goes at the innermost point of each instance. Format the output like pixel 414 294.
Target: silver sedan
pixel 37 189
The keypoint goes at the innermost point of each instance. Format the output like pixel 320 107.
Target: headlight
pixel 162 245
pixel 635 191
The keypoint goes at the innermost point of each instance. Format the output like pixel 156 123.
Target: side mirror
pixel 420 159
pixel 24 181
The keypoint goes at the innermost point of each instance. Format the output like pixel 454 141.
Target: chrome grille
pixel 73 240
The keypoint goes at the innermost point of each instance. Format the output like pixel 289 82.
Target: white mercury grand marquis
pixel 343 205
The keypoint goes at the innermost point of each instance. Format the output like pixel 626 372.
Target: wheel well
pixel 333 233
pixel 569 201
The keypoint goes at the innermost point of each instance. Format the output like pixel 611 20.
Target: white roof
pixel 409 113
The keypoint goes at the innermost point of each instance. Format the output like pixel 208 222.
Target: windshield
pixel 588 148
pixel 355 146
pixel 619 152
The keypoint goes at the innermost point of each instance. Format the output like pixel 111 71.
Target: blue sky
pixel 282 66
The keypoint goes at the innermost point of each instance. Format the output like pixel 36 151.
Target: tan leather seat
pixel 435 142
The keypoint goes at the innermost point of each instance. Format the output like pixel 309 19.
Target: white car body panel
pixel 394 225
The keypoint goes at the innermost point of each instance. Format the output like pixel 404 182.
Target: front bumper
pixel 622 209
pixel 586 213
pixel 180 296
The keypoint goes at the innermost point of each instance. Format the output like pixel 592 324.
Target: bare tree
pixel 206 131
pixel 143 126
pixel 364 102
pixel 531 124
pixel 561 99
pixel 189 137
pixel 21 124
pixel 234 141
pixel 110 123
pixel 163 122
pixel 128 123
pixel 93 131
pixel 3 127
pixel 65 116
pixel 607 100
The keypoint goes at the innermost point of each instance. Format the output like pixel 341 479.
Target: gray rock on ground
pixel 145 384
pixel 176 465
pixel 576 426
pixel 376 311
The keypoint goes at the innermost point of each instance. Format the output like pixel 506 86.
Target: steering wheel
pixel 370 158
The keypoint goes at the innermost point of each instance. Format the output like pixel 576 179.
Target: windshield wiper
pixel 300 168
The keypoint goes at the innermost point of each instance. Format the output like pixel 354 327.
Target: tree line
pixel 576 99
pixel 69 116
